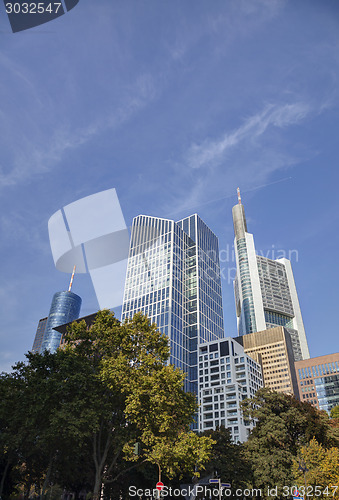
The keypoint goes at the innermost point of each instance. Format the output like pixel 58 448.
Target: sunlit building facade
pixel 318 381
pixel 173 276
pixel 273 350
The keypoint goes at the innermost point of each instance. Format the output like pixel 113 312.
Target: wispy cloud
pixel 41 155
pixel 212 152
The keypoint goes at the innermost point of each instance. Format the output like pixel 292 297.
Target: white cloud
pixel 211 152
pixel 39 155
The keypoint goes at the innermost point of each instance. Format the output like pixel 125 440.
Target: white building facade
pixel 226 377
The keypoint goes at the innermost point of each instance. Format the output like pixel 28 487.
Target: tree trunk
pixel 2 483
pixel 97 484
pixel 27 489
pixel 48 475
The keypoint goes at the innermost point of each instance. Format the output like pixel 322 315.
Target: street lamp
pixel 302 467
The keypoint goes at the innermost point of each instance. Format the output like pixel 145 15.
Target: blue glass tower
pixel 173 276
pixel 65 308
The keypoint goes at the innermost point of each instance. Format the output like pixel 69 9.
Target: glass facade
pixel 327 389
pixel 40 332
pixel 65 308
pixel 173 276
pixel 319 381
pixel 246 288
pixel 275 319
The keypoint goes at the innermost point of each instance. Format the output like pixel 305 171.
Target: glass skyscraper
pixel 265 291
pixel 173 276
pixel 65 308
pixel 39 336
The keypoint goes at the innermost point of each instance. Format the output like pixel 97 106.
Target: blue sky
pixel 174 103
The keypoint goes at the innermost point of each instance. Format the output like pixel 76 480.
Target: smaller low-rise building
pixel 318 381
pixel 273 349
pixel 226 376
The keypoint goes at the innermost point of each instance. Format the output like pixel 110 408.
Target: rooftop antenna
pixel 239 197
pixel 71 282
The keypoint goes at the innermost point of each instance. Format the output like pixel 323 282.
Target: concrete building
pixel 265 291
pixel 318 381
pixel 226 376
pixel 173 276
pixel 274 351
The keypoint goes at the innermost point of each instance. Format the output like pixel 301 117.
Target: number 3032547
pixel 32 8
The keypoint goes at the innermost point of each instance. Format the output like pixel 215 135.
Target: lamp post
pixel 302 467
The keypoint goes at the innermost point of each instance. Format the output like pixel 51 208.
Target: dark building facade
pixel 40 332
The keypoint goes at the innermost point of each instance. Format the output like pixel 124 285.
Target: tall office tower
pixel 265 292
pixel 40 332
pixel 273 350
pixel 65 308
pixel 318 381
pixel 226 376
pixel 173 276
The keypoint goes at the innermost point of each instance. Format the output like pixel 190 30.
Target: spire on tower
pixel 71 282
pixel 239 197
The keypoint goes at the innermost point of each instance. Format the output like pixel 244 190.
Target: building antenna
pixel 239 197
pixel 71 282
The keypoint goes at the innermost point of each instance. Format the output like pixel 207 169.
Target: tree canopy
pixel 109 387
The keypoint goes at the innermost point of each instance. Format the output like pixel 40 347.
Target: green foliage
pixel 317 467
pixel 283 423
pixel 335 412
pixel 73 417
pixel 228 460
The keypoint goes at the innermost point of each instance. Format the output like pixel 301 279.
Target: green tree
pixel 146 395
pixel 335 412
pixel 228 459
pixel 90 402
pixel 317 469
pixel 37 433
pixel 283 424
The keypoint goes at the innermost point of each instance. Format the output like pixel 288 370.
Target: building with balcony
pixel 227 375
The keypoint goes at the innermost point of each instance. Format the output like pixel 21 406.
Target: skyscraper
pixel 65 308
pixel 40 332
pixel 265 292
pixel 173 276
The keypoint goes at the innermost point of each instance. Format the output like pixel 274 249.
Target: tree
pixel 37 432
pixel 228 459
pixel 283 424
pixel 334 413
pixel 142 399
pixel 90 402
pixel 317 470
